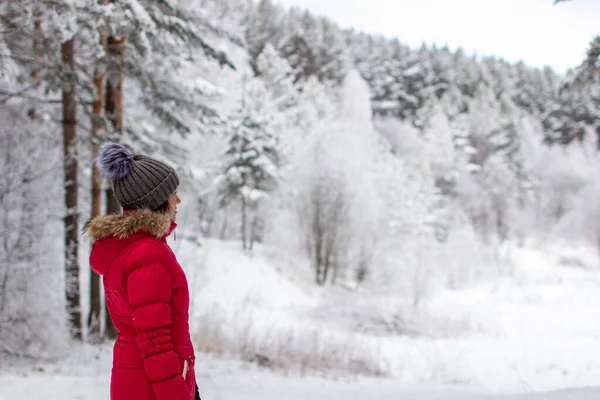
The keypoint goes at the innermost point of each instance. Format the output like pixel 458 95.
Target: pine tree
pixel 264 26
pixel 495 181
pixel 401 80
pixel 379 67
pixel 300 46
pixel 278 78
pixel 578 105
pixel 468 74
pixel 334 58
pixel 314 47
pixel 113 107
pixel 252 158
pixel 576 110
pixel 165 43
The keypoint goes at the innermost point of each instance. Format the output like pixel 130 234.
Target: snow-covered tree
pixel 32 295
pixel 264 26
pixel 252 159
pixel 314 46
pixel 323 201
pixel 494 182
pixel 149 43
pixel 278 78
pixel 576 112
pixel 315 106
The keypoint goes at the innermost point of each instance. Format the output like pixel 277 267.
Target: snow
pixel 532 329
pixel 85 376
pixel 235 276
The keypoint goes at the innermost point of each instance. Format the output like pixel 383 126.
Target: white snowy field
pixel 84 376
pixel 535 329
pixel 531 334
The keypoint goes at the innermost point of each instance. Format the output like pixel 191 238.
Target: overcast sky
pixel 535 31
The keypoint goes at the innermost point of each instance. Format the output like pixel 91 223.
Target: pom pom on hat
pixel 114 161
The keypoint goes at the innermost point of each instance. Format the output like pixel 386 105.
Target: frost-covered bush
pixel 296 349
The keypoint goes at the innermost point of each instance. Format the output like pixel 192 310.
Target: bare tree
pixel 323 212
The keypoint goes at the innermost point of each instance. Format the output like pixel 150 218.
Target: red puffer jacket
pixel 148 300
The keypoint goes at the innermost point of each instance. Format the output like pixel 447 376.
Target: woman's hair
pixel 163 208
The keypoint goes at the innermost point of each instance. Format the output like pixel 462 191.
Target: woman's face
pixel 172 210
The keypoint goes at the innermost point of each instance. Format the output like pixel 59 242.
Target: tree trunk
pixel 244 222
pixel 114 111
pixel 253 227
pixel 69 104
pixel 114 107
pixel 225 224
pixel 94 327
pixel 35 74
pixel 257 225
pixel 319 242
pixel 114 84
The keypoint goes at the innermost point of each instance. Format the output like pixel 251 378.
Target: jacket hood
pixel 122 226
pixel 112 233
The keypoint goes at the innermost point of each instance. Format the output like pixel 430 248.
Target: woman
pixel 146 289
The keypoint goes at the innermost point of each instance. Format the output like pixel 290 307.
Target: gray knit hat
pixel 138 181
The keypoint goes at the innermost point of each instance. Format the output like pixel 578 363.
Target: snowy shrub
pixel 292 349
pixel 583 221
pixel 488 200
pixel 333 211
pixel 564 189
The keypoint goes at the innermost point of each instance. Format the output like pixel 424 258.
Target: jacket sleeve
pixel 149 293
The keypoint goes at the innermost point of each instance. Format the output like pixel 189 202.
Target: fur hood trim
pixel 122 226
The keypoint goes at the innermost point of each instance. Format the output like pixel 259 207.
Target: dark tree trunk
pixel 318 238
pixel 114 110
pixel 114 106
pixel 35 74
pixel 69 104
pixel 94 326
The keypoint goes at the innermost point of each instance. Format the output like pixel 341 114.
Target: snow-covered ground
pixel 84 376
pixel 532 334
pixel 535 329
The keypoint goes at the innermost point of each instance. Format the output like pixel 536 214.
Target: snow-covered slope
pixel 532 330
